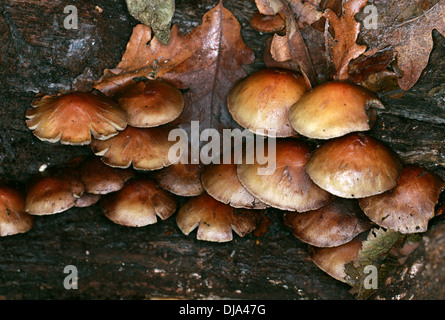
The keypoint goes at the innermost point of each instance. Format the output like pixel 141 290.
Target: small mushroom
pixel 288 187
pixel 151 103
pixel 409 206
pixel 354 166
pixel 268 23
pixel 330 226
pixel 222 183
pixel 144 148
pixel 333 260
pixel 261 101
pixel 334 109
pixel 86 200
pixel 138 203
pixel 54 192
pixel 73 117
pixel 102 179
pixel 13 217
pixel 215 220
pixel 182 179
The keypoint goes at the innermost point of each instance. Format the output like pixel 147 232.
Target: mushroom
pixel 138 203
pixel 261 101
pixel 354 166
pixel 86 200
pixel 54 192
pixel 144 148
pixel 334 109
pixel 215 220
pixel 268 23
pixel 221 182
pixel 333 260
pixel 330 226
pixel 182 179
pixel 99 178
pixel 409 206
pixel 73 117
pixel 288 187
pixel 151 103
pixel 13 217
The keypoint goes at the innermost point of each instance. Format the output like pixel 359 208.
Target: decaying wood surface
pixel 40 55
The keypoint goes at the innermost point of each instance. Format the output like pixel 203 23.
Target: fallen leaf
pixel 346 31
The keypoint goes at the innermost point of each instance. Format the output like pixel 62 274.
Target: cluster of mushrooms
pixel 331 181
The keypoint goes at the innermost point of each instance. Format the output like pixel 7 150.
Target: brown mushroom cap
pixel 151 103
pixel 144 148
pixel 86 200
pixel 13 218
pixel 53 193
pixel 334 109
pixel 354 166
pixel 102 179
pixel 182 179
pixel 330 226
pixel 334 259
pixel 73 117
pixel 288 187
pixel 138 203
pixel 409 206
pixel 261 101
pixel 268 23
pixel 222 183
pixel 215 220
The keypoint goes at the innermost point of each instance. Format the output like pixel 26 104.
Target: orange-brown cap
pixel 288 187
pixel 215 220
pixel 409 206
pixel 182 179
pixel 222 183
pixel 261 101
pixel 354 166
pixel 151 103
pixel 54 192
pixel 268 23
pixel 334 109
pixel 102 179
pixel 144 148
pixel 13 217
pixel 330 226
pixel 73 117
pixel 138 203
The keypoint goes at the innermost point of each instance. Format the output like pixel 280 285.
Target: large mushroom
pixel 354 166
pixel 73 117
pixel 334 109
pixel 215 220
pixel 151 103
pixel 409 206
pixel 287 187
pixel 261 101
pixel 13 217
pixel 138 203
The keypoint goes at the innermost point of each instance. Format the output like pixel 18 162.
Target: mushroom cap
pixel 138 203
pixel 144 148
pixel 86 200
pixel 409 206
pixel 13 217
pixel 330 226
pixel 268 23
pixel 288 187
pixel 333 260
pixel 182 179
pixel 151 103
pixel 73 117
pixel 334 109
pixel 222 183
pixel 215 220
pixel 354 166
pixel 261 101
pixel 53 193
pixel 99 178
